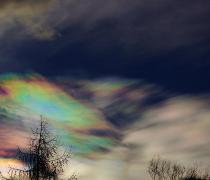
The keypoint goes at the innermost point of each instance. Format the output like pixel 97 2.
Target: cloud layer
pixel 150 121
pixel 157 40
pixel 154 24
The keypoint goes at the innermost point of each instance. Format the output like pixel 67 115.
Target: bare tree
pixel 176 171
pixel 153 169
pixel 160 169
pixel 42 158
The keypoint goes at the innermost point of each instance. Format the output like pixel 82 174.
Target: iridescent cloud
pixel 80 125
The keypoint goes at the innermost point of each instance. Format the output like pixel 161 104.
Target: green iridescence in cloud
pixel 32 96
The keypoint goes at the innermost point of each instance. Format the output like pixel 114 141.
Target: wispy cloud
pixel 31 15
pixel 136 35
pixel 177 130
pixel 152 24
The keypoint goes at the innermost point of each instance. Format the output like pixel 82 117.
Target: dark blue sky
pixel 164 42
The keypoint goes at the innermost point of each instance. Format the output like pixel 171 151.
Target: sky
pixel 164 42
pixel 120 81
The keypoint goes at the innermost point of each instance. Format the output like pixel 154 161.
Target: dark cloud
pixel 162 41
pixel 29 14
pixel 152 25
pixel 147 26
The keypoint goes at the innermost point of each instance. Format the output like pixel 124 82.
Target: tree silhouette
pixel 160 169
pixel 42 158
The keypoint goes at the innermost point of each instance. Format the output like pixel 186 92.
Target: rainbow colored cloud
pixel 24 98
